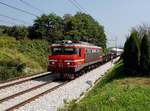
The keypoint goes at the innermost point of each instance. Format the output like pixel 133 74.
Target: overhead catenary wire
pixel 80 6
pixel 74 4
pixel 14 19
pixel 30 5
pixel 77 5
pixel 18 9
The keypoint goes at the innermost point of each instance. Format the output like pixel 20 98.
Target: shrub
pixel 10 69
pixel 19 57
pixel 145 55
pixel 131 56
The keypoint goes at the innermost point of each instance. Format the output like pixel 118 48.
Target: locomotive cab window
pixel 65 51
pixel 56 51
pixel 70 51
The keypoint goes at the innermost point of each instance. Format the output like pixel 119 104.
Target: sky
pixel 117 16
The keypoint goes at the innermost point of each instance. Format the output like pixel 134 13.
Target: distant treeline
pixel 51 27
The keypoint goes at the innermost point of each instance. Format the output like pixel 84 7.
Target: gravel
pixel 21 79
pixel 23 86
pixel 12 102
pixel 72 90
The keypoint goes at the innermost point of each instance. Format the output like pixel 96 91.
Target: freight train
pixel 69 59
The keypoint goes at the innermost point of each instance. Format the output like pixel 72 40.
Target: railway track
pixel 45 83
pixel 35 97
pixel 23 92
pixel 21 80
pixel 9 102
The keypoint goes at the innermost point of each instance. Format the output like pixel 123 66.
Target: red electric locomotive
pixel 68 58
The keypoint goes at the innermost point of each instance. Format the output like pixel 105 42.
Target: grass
pixel 23 57
pixel 115 92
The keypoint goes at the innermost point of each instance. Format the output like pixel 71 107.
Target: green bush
pixel 131 55
pixel 35 49
pixel 136 56
pixel 22 57
pixel 145 55
pixel 10 69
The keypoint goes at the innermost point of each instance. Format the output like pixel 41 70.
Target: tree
pixel 19 32
pixel 131 56
pixel 142 30
pixel 145 55
pixel 33 34
pixel 7 30
pixel 49 27
pixel 83 27
pixel 3 29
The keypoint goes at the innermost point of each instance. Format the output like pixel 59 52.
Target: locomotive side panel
pixel 93 55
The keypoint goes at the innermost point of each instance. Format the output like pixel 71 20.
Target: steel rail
pixel 24 80
pixel 25 91
pixel 35 97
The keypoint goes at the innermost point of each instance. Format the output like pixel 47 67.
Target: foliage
pixel 131 56
pixel 11 68
pixel 1 29
pixel 19 32
pixel 117 94
pixel 136 54
pixel 49 27
pixel 145 55
pixel 31 54
pixel 142 30
pixel 37 50
pixel 84 27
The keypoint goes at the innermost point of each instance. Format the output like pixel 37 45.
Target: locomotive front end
pixel 65 59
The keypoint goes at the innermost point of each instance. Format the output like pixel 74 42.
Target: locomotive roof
pixel 74 43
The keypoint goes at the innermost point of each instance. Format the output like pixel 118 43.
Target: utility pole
pixel 116 43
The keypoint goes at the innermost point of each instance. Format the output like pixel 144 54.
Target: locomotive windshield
pixel 56 51
pixel 65 51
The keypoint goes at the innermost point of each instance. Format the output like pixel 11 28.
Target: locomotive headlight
pixel 68 63
pixel 53 62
